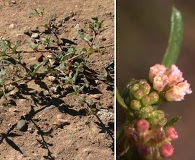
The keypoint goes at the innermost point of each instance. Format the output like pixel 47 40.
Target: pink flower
pixel 142 125
pixel 171 133
pixel 156 69
pixel 185 87
pixel 177 92
pixel 174 75
pixel 166 150
pixel 160 81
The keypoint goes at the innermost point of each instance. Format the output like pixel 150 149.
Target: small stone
pixel 11 26
pixel 53 89
pixel 46 93
pixel 21 125
pixel 96 96
pixel 62 122
pixel 60 116
pixel 14 2
pixel 35 36
pixel 51 78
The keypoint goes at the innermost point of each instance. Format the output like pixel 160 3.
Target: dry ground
pixel 81 135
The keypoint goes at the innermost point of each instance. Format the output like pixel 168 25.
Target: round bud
pixel 171 133
pixel 135 104
pixel 166 150
pixel 146 100
pixel 142 125
pixel 154 97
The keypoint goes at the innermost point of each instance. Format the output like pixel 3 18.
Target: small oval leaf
pixel 175 39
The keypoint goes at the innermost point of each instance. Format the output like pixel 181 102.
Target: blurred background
pixel 143 28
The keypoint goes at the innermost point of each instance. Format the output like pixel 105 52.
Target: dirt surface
pixel 58 126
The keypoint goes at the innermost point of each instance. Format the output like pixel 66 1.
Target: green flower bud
pixel 145 112
pixel 134 87
pixel 146 100
pixel 135 104
pixel 154 97
pixel 145 88
pixel 138 94
pixel 143 81
pixel 158 118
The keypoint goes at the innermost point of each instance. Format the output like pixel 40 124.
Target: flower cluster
pixel 151 143
pixel 148 134
pixel 170 81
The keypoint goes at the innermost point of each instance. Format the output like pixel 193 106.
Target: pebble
pixel 11 26
pixel 60 116
pixel 53 89
pixel 51 78
pixel 14 2
pixel 21 125
pixel 106 115
pixel 62 122
pixel 96 96
pixel 35 36
pixel 46 93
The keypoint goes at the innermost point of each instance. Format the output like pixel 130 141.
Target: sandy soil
pixel 67 130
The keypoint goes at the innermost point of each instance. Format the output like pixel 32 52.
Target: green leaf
pixel 175 39
pixel 37 67
pixel 120 100
pixel 83 36
pixel 172 122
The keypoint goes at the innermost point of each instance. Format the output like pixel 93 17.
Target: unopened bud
pixel 158 117
pixel 146 100
pixel 142 125
pixel 143 81
pixel 146 111
pixel 154 97
pixel 166 150
pixel 135 104
pixel 138 94
pixel 144 86
pixel 134 87
pixel 171 133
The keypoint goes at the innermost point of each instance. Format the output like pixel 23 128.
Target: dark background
pixel 143 28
